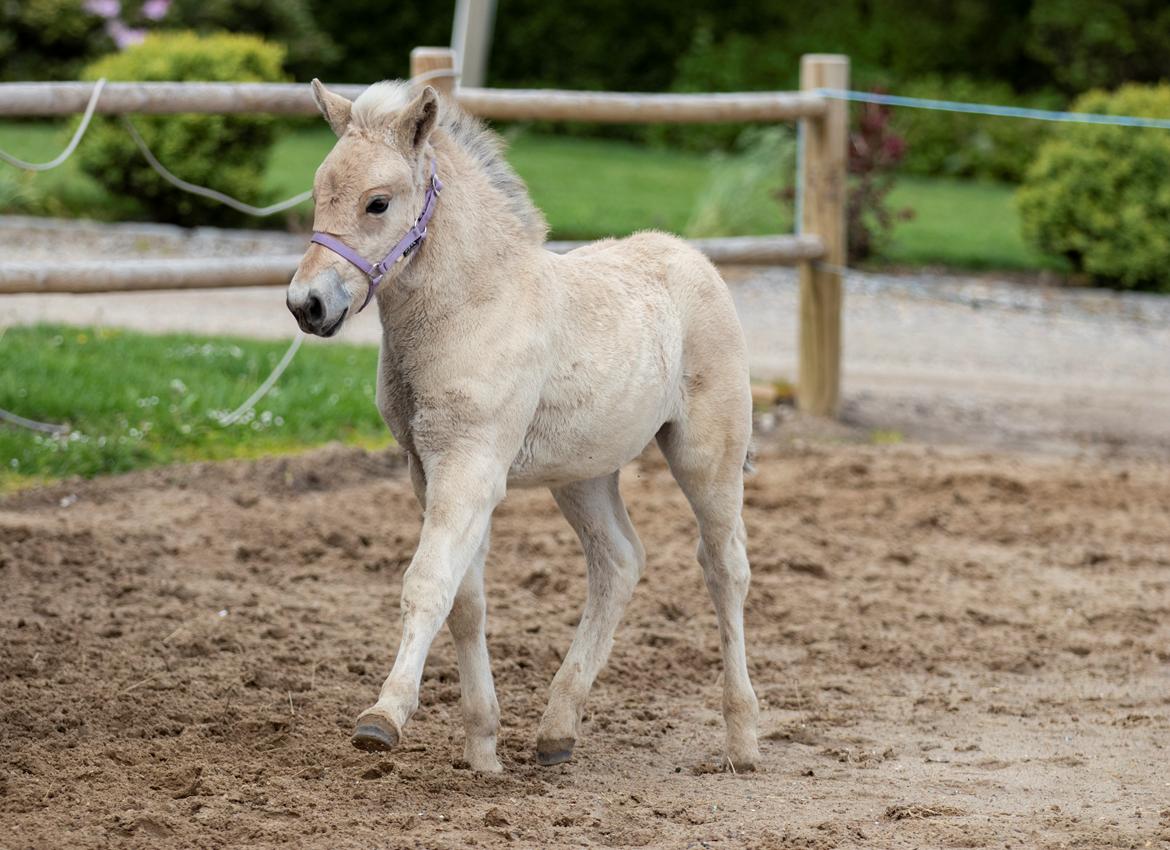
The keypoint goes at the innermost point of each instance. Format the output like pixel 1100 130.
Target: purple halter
pixel 406 244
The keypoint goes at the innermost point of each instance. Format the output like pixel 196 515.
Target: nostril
pixel 315 309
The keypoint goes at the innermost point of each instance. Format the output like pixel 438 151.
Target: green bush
pixel 1099 196
pixel 953 144
pixel 224 152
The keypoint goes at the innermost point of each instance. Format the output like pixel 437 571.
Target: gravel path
pixel 939 357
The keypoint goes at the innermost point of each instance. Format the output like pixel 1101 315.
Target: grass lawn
pixel 134 400
pixel 63 191
pixel 961 223
pixel 590 188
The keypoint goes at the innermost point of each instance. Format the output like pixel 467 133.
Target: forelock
pixel 378 102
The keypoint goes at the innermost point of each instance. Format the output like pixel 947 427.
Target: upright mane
pixel 477 140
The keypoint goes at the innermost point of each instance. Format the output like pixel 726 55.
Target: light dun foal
pixel 503 364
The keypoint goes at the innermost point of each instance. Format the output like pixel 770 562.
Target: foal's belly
pixel 584 429
pixel 554 457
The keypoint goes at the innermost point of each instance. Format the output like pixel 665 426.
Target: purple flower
pixel 155 10
pixel 103 8
pixel 123 35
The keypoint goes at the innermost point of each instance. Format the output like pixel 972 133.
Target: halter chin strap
pixel 405 246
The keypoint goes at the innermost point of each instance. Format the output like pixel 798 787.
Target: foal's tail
pixel 749 461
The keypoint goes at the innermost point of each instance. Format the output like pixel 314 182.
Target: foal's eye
pixel 378 205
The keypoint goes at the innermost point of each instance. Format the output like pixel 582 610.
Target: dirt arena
pixel 950 649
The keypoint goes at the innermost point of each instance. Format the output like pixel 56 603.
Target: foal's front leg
pixel 467 621
pixel 460 497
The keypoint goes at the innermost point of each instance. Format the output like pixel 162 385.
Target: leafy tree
pixel 1100 43
pixel 48 39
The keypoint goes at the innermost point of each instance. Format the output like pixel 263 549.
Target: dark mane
pixel 485 146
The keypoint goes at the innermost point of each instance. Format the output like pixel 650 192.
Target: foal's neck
pixel 476 249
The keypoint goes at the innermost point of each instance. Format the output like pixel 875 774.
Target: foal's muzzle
pixel 313 317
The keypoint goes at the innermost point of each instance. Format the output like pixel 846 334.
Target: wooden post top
pixel 433 60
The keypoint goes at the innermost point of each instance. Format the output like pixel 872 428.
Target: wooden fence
pixel 818 248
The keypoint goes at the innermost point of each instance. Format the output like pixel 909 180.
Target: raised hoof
pixel 554 752
pixel 375 734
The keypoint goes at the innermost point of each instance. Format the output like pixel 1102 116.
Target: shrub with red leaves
pixel 875 150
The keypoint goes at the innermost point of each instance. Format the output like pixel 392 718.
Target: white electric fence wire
pixel 996 110
pixel 226 420
pixel 73 143
pixel 262 390
pixel 203 191
pixel 31 424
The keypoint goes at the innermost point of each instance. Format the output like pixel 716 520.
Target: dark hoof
pixel 549 753
pixel 375 734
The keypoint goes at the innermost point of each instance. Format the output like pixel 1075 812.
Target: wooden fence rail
pixel 138 275
pixel 821 235
pixel 48 99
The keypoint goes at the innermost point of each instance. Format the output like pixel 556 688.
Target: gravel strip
pixel 31 238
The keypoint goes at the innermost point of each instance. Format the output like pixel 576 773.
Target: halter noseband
pixel 405 246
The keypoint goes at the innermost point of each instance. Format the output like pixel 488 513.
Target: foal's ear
pixel 417 119
pixel 334 107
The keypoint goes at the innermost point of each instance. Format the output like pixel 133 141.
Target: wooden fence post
pixel 823 195
pixel 424 60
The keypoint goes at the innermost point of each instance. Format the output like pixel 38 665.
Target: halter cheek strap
pixel 407 244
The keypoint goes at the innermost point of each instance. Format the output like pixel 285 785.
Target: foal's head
pixel 369 192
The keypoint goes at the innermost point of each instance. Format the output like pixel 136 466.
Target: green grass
pixel 961 223
pixel 591 188
pixel 63 191
pixel 134 400
pixel 588 188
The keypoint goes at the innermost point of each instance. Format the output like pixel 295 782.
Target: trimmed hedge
pixel 1099 195
pixel 224 152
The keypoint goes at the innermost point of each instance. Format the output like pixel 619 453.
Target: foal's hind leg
pixel 481 712
pixel 614 559
pixel 706 452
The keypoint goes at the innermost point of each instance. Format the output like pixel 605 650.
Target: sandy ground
pixel 952 649
pixel 950 359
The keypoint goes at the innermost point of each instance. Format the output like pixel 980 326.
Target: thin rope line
pixel 262 390
pixel 73 143
pixel 32 424
pixel 203 191
pixel 997 111
pixel 229 419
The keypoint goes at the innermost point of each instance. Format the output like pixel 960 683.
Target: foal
pixel 503 364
